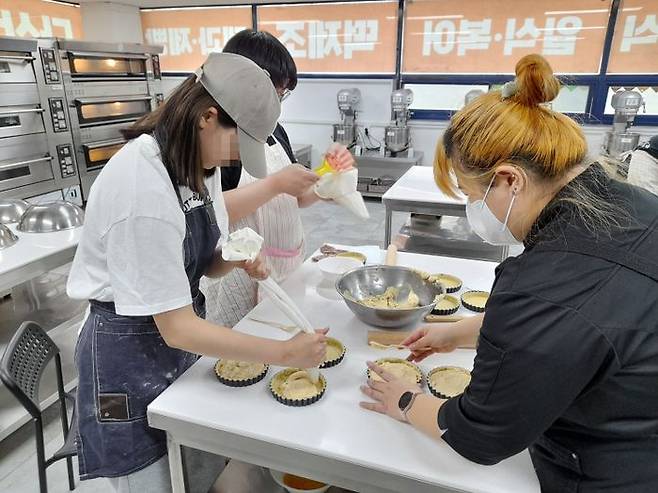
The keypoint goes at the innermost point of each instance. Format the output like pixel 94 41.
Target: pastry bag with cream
pixel 341 188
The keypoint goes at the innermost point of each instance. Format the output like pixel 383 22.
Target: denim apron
pixel 124 364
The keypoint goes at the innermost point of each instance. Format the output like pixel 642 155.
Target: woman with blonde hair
pixel 567 350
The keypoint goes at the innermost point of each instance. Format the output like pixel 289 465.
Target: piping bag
pixel 245 244
pixel 340 186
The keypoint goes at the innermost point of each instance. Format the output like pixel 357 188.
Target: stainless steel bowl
pixel 373 280
pixel 11 210
pixel 51 216
pixel 7 237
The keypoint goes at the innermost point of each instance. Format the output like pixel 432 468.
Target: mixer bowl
pixel 51 216
pixel 396 138
pixel 7 237
pixel 373 280
pixel 11 210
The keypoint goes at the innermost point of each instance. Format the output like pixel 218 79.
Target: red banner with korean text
pixel 357 37
pixel 188 35
pixel 39 19
pixel 490 36
pixel 635 44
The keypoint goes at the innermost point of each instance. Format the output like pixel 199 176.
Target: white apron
pixel 231 297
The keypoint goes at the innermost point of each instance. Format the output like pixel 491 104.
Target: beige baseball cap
pixel 245 91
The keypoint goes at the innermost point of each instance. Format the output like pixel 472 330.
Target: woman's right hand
pixel 443 338
pixel 306 350
pixel 294 180
pixel 427 340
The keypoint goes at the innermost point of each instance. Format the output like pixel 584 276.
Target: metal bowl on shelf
pixel 373 280
pixel 51 216
pixel 7 237
pixel 11 210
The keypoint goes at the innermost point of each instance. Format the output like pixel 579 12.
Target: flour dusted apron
pixel 279 223
pixel 124 364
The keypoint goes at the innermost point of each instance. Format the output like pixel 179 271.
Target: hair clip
pixel 509 89
pixel 198 72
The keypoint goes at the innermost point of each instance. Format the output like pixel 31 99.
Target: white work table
pixel 333 440
pixel 35 254
pixel 416 191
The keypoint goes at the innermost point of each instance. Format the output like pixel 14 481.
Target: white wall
pixel 111 22
pixel 311 110
pixel 309 113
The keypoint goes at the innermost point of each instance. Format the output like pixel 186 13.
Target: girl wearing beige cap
pixel 155 223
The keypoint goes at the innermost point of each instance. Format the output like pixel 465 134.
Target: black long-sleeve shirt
pixel 568 349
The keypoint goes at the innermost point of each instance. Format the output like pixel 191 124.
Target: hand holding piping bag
pixel 339 157
pixel 245 245
pixel 339 179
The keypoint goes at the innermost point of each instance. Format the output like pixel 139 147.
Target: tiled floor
pixel 18 472
pixel 326 222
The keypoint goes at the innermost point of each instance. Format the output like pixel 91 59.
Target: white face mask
pixel 486 225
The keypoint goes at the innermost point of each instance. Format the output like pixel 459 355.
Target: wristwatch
pixel 406 401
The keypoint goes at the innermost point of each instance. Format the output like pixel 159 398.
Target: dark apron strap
pixel 629 260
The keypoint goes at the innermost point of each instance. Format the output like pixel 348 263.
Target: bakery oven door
pixel 16 67
pixel 24 160
pixel 99 153
pixel 20 120
pixel 107 65
pixel 93 111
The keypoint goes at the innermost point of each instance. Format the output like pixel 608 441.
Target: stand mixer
pixel 619 141
pixel 397 136
pixel 348 103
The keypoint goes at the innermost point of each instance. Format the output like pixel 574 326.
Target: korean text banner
pixel 635 45
pixel 38 19
pixel 490 36
pixel 189 35
pixel 336 38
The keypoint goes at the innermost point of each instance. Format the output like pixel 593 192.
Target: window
pixel 447 47
pixel 349 38
pixel 489 36
pixel 635 42
pixel 451 97
pixel 189 35
pixel 40 19
pixel 444 97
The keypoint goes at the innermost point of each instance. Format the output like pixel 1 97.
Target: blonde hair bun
pixel 535 80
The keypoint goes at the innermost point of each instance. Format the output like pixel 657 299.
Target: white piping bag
pixel 245 244
pixel 341 188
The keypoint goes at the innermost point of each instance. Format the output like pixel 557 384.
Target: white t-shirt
pixel 131 249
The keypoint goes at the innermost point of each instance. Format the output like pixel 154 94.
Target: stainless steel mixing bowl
pixel 51 216
pixel 11 210
pixel 7 237
pixel 373 280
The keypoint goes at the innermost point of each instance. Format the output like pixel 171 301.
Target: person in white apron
pixel 278 220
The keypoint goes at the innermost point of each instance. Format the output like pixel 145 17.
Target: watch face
pixel 405 399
